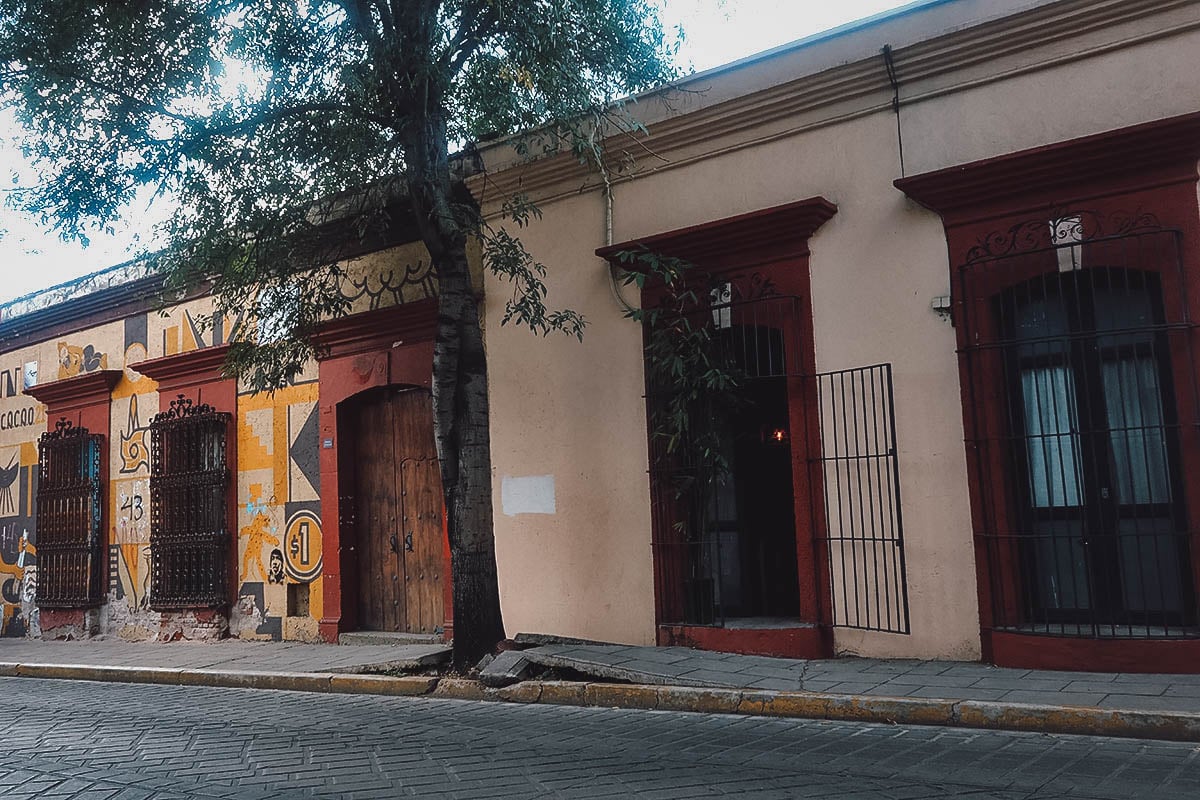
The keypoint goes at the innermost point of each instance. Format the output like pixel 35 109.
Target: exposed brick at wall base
pixel 69 623
pixel 192 626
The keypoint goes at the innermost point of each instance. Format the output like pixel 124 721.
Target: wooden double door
pixel 399 513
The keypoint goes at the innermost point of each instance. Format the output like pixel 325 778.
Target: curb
pixel 985 714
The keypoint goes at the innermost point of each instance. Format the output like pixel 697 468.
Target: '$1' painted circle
pixel 302 546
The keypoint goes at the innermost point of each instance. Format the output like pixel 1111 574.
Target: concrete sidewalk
pixel 228 655
pixel 670 678
pixel 946 680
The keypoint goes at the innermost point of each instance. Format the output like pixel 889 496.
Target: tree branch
pixel 470 36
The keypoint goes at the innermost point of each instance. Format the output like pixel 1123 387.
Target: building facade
pixel 948 258
pixel 993 205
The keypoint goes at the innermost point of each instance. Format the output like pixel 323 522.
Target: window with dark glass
pixel 69 521
pixel 1084 389
pixel 189 520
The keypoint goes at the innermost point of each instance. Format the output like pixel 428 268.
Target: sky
pixel 716 32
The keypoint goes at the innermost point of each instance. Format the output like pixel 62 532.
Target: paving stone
pixel 452 748
pixel 1022 684
pixel 1153 688
pixel 1052 698
pixel 1142 702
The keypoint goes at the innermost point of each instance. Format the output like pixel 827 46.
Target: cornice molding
pixel 72 393
pixel 862 83
pixel 382 329
pixel 756 237
pixel 1144 151
pixel 203 365
pixel 84 311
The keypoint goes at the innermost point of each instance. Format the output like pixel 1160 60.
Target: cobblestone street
pixel 68 739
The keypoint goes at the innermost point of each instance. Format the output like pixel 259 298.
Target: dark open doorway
pixel 754 513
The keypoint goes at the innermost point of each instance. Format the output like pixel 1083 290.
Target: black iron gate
pixel 855 480
pixel 727 525
pixel 69 518
pixel 1083 391
pixel 189 517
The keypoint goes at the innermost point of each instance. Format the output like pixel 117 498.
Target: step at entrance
pixel 388 637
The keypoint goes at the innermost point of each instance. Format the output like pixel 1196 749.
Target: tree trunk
pixel 460 399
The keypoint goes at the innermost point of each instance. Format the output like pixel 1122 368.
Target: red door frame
pixel 1143 174
pixel 386 347
pixel 199 375
pixel 771 243
pixel 84 401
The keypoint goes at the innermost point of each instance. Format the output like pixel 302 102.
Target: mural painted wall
pixel 277 478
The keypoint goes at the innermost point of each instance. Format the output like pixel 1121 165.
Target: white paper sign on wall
pixel 529 494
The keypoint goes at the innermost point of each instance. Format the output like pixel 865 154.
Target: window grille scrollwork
pixel 189 524
pixel 69 518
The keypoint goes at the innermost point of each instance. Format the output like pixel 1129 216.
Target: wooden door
pixel 399 504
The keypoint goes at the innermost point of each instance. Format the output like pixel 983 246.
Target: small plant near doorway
pixel 687 375
pixel 694 388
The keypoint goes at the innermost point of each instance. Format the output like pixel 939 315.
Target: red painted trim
pixel 199 375
pixel 1146 169
pixel 1138 153
pixel 85 401
pixel 205 365
pixel 72 394
pixel 379 330
pixel 389 347
pixel 741 241
pixel 1170 656
pixel 773 244
pixel 802 641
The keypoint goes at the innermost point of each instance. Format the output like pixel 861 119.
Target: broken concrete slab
pixel 598 662
pixel 407 658
pixel 505 669
pixel 540 639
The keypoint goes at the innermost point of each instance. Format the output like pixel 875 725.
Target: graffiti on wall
pixel 393 286
pixel 18 547
pixel 74 360
pixel 134 437
pixel 8 477
pixel 257 536
pixel 279 530
pixel 194 331
pixel 279 563
pixel 302 542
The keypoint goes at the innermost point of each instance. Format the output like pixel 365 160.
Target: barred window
pixel 189 521
pixel 69 526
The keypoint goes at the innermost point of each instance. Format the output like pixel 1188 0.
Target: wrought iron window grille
pixel 69 518
pixel 189 519
pixel 1081 379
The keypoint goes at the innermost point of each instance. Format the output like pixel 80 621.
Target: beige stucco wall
pixel 571 411
pixel 576 411
pixel 1116 89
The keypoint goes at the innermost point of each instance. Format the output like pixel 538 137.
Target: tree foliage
pixel 264 120
pixel 271 124
pixel 691 378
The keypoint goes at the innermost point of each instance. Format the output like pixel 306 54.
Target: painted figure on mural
pixel 29 585
pixel 275 570
pixel 18 582
pixel 257 536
